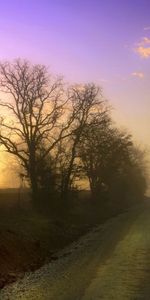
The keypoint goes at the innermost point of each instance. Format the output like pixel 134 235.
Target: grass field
pixel 29 238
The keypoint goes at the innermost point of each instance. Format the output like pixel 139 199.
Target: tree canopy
pixel 59 133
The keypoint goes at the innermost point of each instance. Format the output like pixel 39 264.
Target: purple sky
pixel 84 40
pixel 106 42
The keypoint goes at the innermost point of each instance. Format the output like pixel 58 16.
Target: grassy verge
pixel 28 239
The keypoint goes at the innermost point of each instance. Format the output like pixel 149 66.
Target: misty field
pixel 28 238
pixel 110 262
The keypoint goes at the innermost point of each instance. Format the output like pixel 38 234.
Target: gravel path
pixel 110 262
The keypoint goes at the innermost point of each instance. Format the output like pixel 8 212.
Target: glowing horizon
pixel 106 42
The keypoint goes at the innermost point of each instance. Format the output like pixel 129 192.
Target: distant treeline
pixel 64 135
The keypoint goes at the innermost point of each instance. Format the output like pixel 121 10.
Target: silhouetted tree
pixel 89 107
pixel 33 105
pixel 109 162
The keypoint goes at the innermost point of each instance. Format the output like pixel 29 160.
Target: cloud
pixel 138 74
pixel 143 52
pixel 145 41
pixel 147 28
pixel 143 48
pixel 104 80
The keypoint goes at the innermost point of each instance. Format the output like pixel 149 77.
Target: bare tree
pixel 103 150
pixel 33 105
pixel 89 107
pixel 113 165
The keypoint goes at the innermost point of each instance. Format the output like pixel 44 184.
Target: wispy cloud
pixel 143 48
pixel 138 74
pixel 147 28
pixel 145 41
pixel 104 80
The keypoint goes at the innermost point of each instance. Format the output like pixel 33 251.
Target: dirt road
pixel 111 262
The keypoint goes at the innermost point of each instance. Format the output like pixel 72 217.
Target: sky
pixel 101 41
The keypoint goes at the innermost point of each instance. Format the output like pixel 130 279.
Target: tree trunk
pixel 33 176
pixel 34 187
pixel 66 186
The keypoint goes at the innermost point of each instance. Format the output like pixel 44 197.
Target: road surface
pixel 110 262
